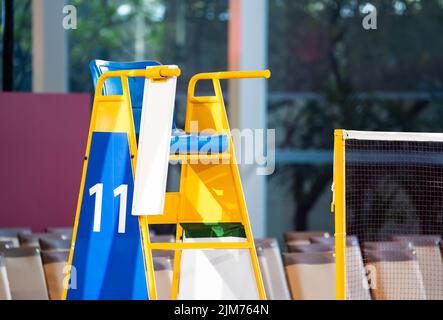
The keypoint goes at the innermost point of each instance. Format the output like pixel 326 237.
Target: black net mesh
pixel 394 214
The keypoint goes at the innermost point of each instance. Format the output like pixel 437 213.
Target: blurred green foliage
pixel 191 33
pixel 389 79
pixel 22 45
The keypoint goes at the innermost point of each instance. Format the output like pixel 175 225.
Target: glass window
pixel 329 72
pixel 189 33
pixel 22 77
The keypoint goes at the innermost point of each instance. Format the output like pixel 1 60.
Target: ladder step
pixel 201 245
pixel 114 98
pixel 198 157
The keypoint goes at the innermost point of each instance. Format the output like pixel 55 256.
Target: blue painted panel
pixel 109 265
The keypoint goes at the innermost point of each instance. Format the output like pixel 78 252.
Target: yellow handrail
pixel 200 245
pixel 225 75
pixel 157 72
pixel 340 214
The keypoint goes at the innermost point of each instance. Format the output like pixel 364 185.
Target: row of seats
pixel 406 267
pixel 32 265
pixel 309 265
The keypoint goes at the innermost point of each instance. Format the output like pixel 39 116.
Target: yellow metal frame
pixel 114 114
pixel 209 193
pixel 339 208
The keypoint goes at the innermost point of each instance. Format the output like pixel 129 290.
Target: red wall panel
pixel 42 142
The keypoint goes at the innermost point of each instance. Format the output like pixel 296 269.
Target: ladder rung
pixel 197 157
pixel 116 98
pixel 200 245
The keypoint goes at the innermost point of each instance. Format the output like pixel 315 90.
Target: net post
pixel 340 214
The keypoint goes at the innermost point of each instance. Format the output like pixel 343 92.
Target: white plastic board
pixel 217 274
pixel 154 146
pixel 279 285
pixel 266 276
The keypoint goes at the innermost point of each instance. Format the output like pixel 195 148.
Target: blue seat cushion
pixel 182 142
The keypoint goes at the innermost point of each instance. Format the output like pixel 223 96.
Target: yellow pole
pixel 339 209
pixel 176 265
pixel 149 265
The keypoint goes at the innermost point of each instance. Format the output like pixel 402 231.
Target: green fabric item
pixel 213 230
